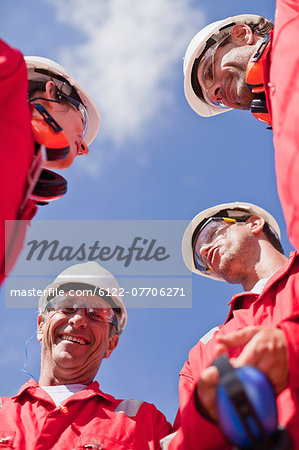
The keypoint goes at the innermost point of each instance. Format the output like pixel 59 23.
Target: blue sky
pixel 154 158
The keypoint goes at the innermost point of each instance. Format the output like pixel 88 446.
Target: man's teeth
pixel 73 339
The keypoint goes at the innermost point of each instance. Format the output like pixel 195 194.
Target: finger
pixel 238 338
pixel 209 377
pixel 220 349
pixel 250 355
pixel 267 351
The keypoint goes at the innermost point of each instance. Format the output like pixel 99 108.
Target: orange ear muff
pixel 44 185
pixel 55 142
pixel 47 132
pixel 260 111
pixel 50 186
pixel 255 81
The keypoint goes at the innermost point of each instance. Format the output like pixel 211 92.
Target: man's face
pixel 228 252
pixel 73 344
pixel 221 76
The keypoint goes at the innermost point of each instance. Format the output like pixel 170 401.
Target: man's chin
pixel 242 106
pixel 60 164
pixel 67 358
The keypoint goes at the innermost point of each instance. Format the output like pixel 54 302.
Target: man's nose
pixel 79 319
pixel 83 150
pixel 214 92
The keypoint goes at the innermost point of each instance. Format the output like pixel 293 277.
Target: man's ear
pixel 256 224
pixel 40 326
pixel 50 92
pixel 112 344
pixel 242 35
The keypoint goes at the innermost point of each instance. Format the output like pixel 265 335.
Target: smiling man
pixel 246 62
pixel 216 63
pixel 240 243
pixel 79 325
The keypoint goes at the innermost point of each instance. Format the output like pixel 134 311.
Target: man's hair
pixel 35 86
pixel 272 238
pixel 61 85
pixel 262 28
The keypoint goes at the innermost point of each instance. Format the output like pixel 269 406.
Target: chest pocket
pixel 7 439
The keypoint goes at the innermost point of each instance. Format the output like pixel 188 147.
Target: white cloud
pixel 127 58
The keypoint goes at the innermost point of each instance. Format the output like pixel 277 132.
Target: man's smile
pixel 75 339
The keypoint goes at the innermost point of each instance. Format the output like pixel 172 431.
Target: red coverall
pixel 283 99
pixel 276 306
pixel 88 419
pixel 16 149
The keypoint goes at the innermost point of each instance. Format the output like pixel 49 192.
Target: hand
pixel 265 349
pixel 206 389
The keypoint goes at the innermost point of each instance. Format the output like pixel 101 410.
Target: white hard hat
pixel 195 49
pixel 92 274
pixel 233 210
pixel 38 62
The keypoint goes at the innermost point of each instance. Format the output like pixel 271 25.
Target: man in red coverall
pixel 223 71
pixel 239 243
pixel 79 324
pixel 68 104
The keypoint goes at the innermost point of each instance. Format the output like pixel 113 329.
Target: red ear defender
pixel 50 145
pixel 47 132
pixel 255 81
pixel 50 186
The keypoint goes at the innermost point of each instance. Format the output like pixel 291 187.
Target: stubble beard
pixel 244 94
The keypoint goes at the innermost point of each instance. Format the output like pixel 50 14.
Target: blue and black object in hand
pixel 247 411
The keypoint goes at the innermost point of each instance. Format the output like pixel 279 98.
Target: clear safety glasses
pixel 80 108
pixel 69 305
pixel 206 71
pixel 206 234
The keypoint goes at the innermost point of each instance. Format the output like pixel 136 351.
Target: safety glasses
pixel 206 71
pixel 205 235
pixel 80 108
pixel 69 305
